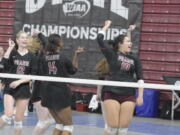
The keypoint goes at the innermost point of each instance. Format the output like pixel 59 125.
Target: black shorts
pixel 36 93
pixel 55 98
pixel 119 98
pixel 21 92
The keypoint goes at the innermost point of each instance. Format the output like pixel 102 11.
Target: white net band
pixel 92 82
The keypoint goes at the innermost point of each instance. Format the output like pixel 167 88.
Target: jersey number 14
pixel 52 68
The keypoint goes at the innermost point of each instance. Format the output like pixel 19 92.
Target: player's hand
pixel 14 84
pixel 1 86
pixel 31 84
pixel 139 101
pixel 79 50
pixel 35 32
pixel 98 98
pixel 11 43
pixel 131 27
pixel 108 23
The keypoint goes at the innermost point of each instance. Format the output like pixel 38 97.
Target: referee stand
pixel 175 94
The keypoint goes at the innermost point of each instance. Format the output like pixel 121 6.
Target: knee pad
pixel 18 125
pixel 43 124
pixel 112 131
pixel 68 128
pixel 51 121
pixel 105 126
pixel 59 127
pixel 6 119
pixel 122 131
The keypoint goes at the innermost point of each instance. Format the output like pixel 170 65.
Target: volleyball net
pixel 93 82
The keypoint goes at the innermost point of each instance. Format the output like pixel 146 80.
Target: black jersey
pixel 37 85
pixel 57 65
pixel 18 64
pixel 22 64
pixel 56 95
pixel 2 62
pixel 122 67
pixel 3 67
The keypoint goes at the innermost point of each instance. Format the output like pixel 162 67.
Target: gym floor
pixel 92 124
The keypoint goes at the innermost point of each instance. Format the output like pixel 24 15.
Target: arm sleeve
pixel 105 49
pixel 69 66
pixel 9 62
pixel 42 39
pixel 138 69
pixel 42 66
pixel 34 65
pixel 6 65
pixel 5 70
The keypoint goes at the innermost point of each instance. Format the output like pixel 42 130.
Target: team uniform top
pixel 20 64
pixel 57 65
pixel 122 67
pixel 2 67
pixel 36 88
pixel 56 95
pixel 38 85
pixel 2 62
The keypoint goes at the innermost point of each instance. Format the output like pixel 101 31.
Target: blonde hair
pixel 102 67
pixel 33 45
pixel 19 34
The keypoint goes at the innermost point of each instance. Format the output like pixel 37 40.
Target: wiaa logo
pixel 78 8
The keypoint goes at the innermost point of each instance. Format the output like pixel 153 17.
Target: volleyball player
pixel 36 45
pixel 57 97
pixel 16 91
pixel 2 70
pixel 119 102
pixel 1 60
pixel 102 68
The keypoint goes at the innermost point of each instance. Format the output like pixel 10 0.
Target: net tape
pixel 92 82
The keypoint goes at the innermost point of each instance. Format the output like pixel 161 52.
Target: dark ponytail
pixel 111 42
pixel 54 43
pixel 115 43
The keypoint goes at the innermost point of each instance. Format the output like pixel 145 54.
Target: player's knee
pixel 51 121
pixel 18 124
pixel 68 128
pixel 59 127
pixel 112 131
pixel 43 124
pixel 67 122
pixel 105 126
pixel 122 131
pixel 6 119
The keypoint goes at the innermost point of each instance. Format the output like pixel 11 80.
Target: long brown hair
pixel 102 67
pixel 116 41
pixel 54 43
pixel 33 45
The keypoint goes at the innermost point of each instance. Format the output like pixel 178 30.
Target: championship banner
pixel 78 23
